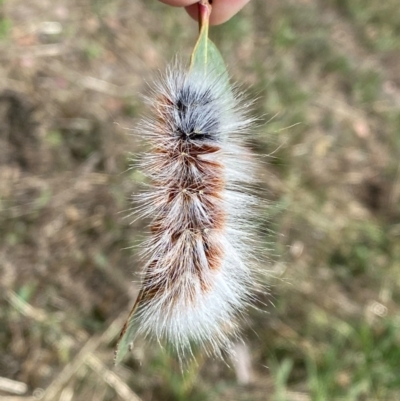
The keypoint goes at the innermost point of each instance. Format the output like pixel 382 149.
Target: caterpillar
pixel 198 274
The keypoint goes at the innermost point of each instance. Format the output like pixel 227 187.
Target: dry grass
pixel 326 69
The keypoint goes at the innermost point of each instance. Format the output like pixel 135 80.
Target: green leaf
pixel 206 58
pixel 127 335
pixel 126 342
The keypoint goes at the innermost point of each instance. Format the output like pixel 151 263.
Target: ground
pixel 325 74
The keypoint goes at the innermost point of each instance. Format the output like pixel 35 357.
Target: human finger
pixel 179 3
pixel 222 10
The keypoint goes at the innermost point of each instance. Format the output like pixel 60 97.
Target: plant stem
pixel 204 13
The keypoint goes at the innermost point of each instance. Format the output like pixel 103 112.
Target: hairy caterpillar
pixel 198 274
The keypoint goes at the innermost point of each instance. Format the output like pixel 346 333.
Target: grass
pixel 325 74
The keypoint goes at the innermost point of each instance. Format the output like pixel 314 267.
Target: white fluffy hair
pixel 198 276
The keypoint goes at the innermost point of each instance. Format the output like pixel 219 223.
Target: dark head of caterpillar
pixel 196 115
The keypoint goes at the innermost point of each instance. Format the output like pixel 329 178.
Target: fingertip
pixel 222 10
pixel 179 3
pixel 193 11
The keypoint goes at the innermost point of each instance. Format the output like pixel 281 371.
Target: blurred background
pixel 326 77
